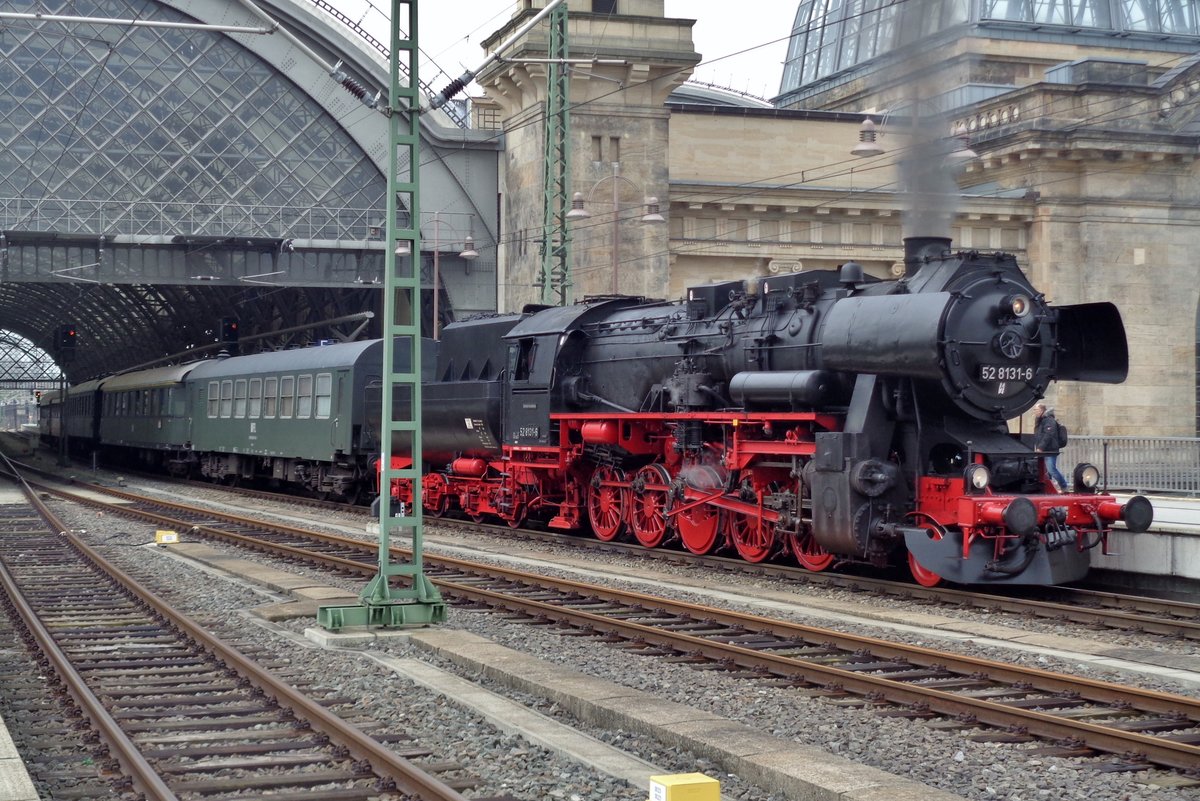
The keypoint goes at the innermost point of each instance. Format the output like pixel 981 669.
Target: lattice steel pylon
pixel 381 603
pixel 555 276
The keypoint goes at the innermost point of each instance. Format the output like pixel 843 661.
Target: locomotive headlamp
pixel 1086 477
pixel 977 477
pixel 1018 305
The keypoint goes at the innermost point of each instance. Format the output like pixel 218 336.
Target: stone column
pixel 617 113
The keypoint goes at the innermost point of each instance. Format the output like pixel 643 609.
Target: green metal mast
pixel 380 603
pixel 555 277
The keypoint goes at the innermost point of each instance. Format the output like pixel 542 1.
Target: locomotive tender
pixel 829 415
pixel 826 416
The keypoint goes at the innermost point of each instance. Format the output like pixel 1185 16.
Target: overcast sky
pixel 451 30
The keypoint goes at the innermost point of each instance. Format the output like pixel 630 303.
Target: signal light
pixel 229 329
pixel 65 339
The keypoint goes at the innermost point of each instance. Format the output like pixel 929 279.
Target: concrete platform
pixel 15 782
pixel 782 766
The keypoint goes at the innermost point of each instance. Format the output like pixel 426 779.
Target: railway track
pixel 1123 612
pixel 181 713
pixel 1124 728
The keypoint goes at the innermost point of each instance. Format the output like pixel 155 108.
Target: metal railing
pixel 1139 464
pixel 147 218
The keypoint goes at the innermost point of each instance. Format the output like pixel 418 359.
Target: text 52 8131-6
pixel 1005 372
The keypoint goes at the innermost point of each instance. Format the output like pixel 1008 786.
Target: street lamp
pixel 468 252
pixel 578 212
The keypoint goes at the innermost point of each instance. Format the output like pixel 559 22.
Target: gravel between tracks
pixel 944 760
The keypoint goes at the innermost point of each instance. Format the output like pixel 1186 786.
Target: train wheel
pixel 607 502
pixel 924 576
pixel 699 528
pixel 808 551
pixel 752 536
pixel 649 501
pixel 435 495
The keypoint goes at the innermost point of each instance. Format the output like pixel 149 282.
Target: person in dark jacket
pixel 1045 442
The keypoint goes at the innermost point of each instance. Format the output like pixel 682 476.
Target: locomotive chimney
pixel 919 249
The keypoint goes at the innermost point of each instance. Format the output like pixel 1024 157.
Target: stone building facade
pixel 1085 170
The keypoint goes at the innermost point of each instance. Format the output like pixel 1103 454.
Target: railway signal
pixel 64 341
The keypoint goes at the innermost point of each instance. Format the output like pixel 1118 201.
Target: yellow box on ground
pixel 684 787
pixel 165 537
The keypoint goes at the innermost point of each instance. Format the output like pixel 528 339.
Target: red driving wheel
pixel 607 501
pixel 649 501
pixel 753 537
pixel 699 527
pixel 808 552
pixel 924 576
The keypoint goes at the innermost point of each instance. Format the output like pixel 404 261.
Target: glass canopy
pixel 829 36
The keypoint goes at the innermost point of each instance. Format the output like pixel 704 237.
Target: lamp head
pixel 652 214
pixel 578 212
pixel 962 153
pixel 469 252
pixel 866 146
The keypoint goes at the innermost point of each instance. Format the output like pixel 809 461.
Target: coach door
pixel 530 363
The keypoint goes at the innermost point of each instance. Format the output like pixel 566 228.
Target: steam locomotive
pixel 828 416
pixel 824 416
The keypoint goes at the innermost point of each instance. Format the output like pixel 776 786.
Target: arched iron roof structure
pixel 154 180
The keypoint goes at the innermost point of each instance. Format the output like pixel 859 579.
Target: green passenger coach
pixel 307 417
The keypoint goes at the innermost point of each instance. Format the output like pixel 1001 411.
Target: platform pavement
pixel 15 782
pixel 1170 549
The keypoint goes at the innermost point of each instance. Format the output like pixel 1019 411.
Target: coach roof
pixel 321 357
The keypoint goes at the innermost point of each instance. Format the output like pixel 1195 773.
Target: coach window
pixel 255 397
pixel 287 396
pixel 227 398
pixel 304 396
pixel 270 396
pixel 324 395
pixel 214 398
pixel 239 398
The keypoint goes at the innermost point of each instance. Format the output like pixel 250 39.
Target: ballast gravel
pixel 947 760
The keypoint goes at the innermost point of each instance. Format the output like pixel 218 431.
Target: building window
pixel 604 6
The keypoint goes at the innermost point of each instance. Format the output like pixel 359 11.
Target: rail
pixel 1139 464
